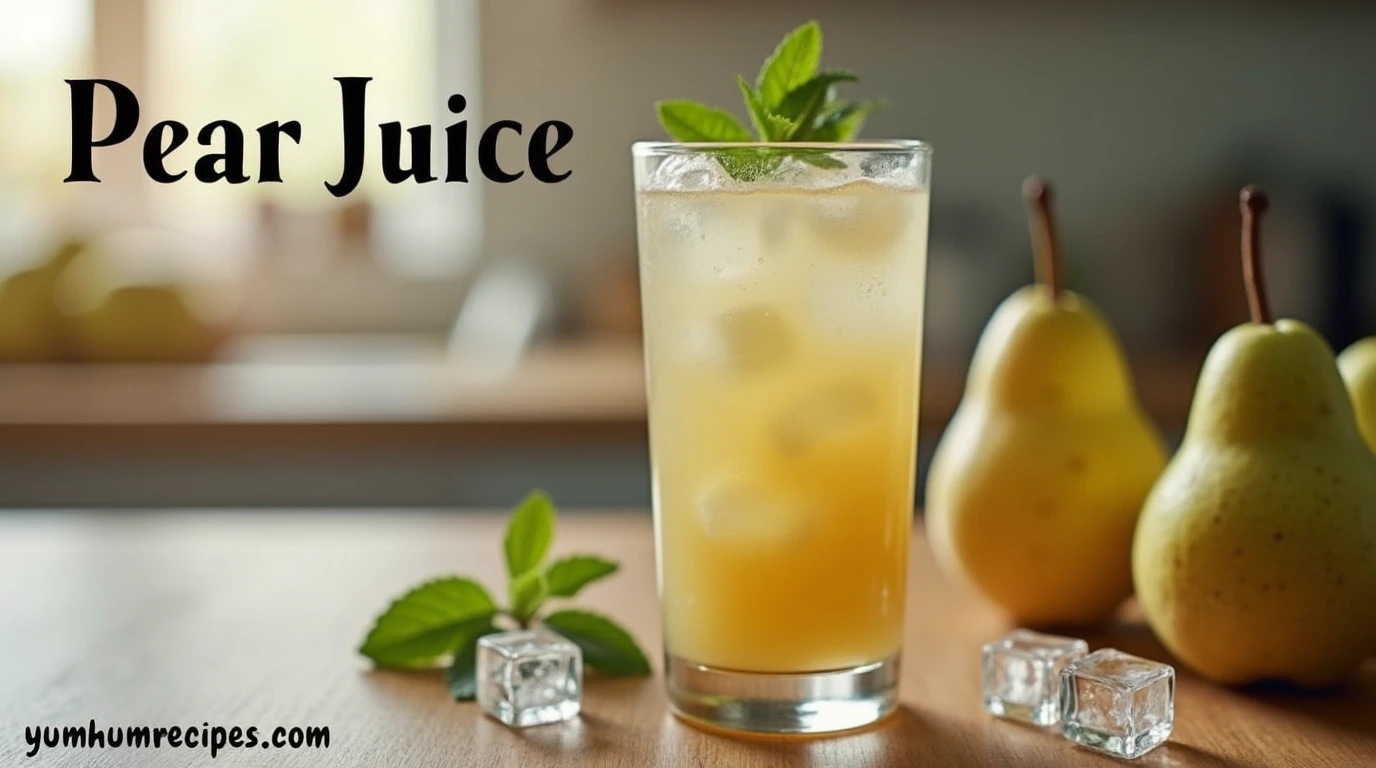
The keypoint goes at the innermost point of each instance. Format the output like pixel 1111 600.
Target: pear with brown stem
pixel 1034 490
pixel 1255 555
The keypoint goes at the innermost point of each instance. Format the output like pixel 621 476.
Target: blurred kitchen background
pixel 448 344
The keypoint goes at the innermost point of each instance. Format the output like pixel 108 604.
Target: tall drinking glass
pixel 783 289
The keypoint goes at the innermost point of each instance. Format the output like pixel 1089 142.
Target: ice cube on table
pixel 1022 674
pixel 1117 703
pixel 529 677
pixel 826 414
pixel 739 511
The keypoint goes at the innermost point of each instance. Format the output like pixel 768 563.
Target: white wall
pixel 1135 114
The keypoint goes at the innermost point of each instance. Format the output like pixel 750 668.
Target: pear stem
pixel 1042 226
pixel 1254 203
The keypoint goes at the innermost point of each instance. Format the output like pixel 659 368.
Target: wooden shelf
pixel 294 390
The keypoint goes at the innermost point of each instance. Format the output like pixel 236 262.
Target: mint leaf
pixel 570 574
pixel 759 113
pixel 463 670
pixel 689 121
pixel 607 647
pixel 529 533
pixel 807 101
pixel 843 120
pixel 528 593
pixel 749 164
pixel 427 623
pixel 821 160
pixel 780 127
pixel 793 63
pixel 812 95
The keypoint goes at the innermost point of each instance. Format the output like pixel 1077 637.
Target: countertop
pixel 268 389
pixel 251 618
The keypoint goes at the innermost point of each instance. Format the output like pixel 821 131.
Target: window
pixel 40 44
pixel 252 62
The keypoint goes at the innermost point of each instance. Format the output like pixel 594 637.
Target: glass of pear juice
pixel 783 325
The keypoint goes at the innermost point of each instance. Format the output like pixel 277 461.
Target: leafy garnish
pixel 442 620
pixel 428 622
pixel 606 647
pixel 529 533
pixel 790 101
pixel 690 121
pixel 569 575
pixel 463 670
pixel 791 64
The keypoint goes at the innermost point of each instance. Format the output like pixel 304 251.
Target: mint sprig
pixel 790 101
pixel 428 622
pixel 440 621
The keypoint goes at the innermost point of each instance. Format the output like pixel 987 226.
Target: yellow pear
pixel 31 325
pixel 1255 556
pixel 144 324
pixel 1035 488
pixel 126 303
pixel 1358 365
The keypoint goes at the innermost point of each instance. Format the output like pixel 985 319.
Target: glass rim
pixel 872 146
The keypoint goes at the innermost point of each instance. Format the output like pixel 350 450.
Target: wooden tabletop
pixel 251 619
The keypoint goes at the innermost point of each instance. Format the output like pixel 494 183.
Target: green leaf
pixel 463 670
pixel 814 94
pixel 793 63
pixel 528 593
pixel 808 100
pixel 759 113
pixel 750 165
pixel 529 533
pixel 607 647
pixel 570 574
pixel 428 623
pixel 690 121
pixel 780 127
pixel 821 160
pixel 844 121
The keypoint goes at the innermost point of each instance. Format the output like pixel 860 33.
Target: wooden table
pixel 251 619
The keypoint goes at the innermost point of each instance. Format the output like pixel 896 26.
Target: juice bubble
pixel 738 511
pixel 827 415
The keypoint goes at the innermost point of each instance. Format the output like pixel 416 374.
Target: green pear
pixel 1358 365
pixel 32 326
pixel 126 304
pixel 1255 555
pixel 1035 488
pixel 144 324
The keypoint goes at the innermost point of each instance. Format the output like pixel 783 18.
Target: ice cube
pixel 742 342
pixel 861 221
pixel 867 304
pixel 826 414
pixel 530 677
pixel 1116 703
pixel 737 510
pixel 698 237
pixel 1022 674
pixel 690 172
pixel 776 226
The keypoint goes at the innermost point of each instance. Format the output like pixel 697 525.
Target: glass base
pixel 764 702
